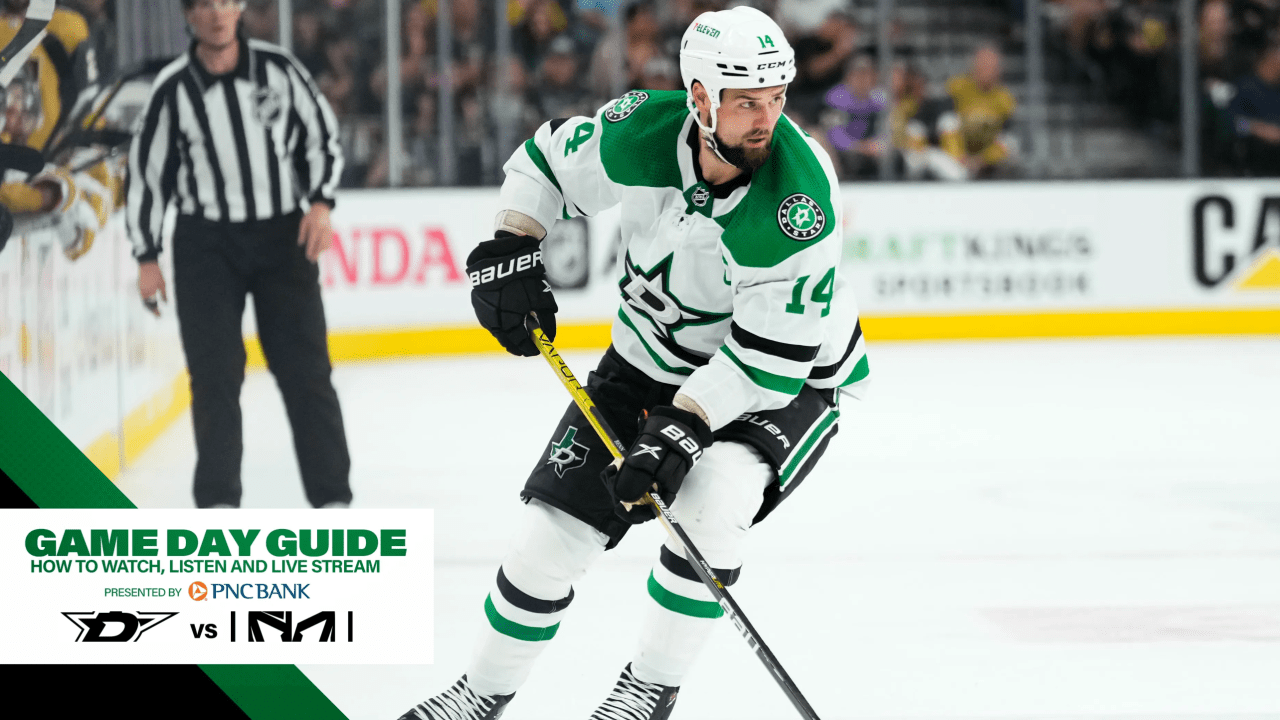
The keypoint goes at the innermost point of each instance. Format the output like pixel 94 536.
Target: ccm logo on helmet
pixel 515 265
pixel 767 66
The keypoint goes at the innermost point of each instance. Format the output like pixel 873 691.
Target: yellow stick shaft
pixel 579 394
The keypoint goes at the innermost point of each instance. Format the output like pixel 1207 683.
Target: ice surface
pixel 1049 530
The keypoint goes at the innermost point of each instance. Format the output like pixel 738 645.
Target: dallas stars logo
pixel 568 454
pixel 649 294
pixel 625 105
pixel 801 218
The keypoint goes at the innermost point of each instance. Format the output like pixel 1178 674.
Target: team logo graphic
pixel 625 105
pixel 198 591
pixel 568 454
pixel 700 196
pixel 649 294
pixel 115 626
pixel 326 621
pixel 801 218
pixel 267 105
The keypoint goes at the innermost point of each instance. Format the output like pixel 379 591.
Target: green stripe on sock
pixel 765 379
pixel 681 604
pixel 515 629
pixel 801 454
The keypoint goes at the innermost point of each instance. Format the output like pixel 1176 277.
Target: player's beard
pixel 742 157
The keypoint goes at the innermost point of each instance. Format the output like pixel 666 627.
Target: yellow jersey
pixel 983 116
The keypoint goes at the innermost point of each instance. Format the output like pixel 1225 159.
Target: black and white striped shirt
pixel 248 145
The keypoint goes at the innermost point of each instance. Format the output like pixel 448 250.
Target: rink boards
pixel 927 261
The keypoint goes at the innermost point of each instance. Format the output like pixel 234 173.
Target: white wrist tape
pixel 519 223
pixel 684 402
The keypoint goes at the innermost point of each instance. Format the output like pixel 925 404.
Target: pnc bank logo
pixel 1237 244
pixel 198 591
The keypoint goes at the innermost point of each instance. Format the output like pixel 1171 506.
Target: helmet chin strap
pixel 708 133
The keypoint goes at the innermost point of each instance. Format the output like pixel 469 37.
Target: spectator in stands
pixel 1256 108
pixel 1219 58
pixel 593 17
pixel 103 42
pixel 985 108
pixel 1220 65
pixel 558 92
pixel 421 160
pixel 1078 20
pixel 641 40
pixel 858 149
pixel 416 62
pixel 926 131
pixel 473 42
pixel 339 81
pixel 660 73
pixel 1148 30
pixel 1255 23
pixel 821 59
pixel 544 21
pixel 801 18
pixel 261 20
pixel 309 39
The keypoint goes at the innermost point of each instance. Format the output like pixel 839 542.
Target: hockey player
pixel 735 334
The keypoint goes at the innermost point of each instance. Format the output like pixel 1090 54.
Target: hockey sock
pixel 533 588
pixel 715 507
pixel 678 622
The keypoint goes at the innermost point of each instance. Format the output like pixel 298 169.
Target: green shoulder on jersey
pixel 788 207
pixel 639 136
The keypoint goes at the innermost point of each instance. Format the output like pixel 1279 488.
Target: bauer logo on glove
pixel 671 440
pixel 508 281
pixel 498 272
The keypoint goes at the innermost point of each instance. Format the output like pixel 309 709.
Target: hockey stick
pixel 677 533
pixel 29 35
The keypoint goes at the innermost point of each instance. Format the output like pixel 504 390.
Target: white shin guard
pixel 715 506
pixel 549 553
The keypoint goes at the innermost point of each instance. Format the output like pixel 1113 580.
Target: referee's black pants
pixel 214 266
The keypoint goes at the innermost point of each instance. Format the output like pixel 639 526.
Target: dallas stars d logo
pixel 567 454
pixel 801 218
pixel 649 294
pixel 625 105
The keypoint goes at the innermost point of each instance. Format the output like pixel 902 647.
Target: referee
pixel 237 136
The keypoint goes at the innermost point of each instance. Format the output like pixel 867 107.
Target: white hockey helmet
pixel 736 48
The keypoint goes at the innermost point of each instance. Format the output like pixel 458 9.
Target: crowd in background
pixel 571 56
pixel 1132 49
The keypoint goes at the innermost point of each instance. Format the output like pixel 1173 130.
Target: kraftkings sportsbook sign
pixel 202 586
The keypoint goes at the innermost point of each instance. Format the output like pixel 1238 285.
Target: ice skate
pixel 634 699
pixel 460 702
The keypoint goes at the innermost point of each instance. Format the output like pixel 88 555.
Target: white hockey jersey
pixel 734 292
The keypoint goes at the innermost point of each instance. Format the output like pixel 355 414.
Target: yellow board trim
pixel 105 453
pixel 142 426
pixel 346 346
pixel 364 346
pixel 146 422
pixel 1084 324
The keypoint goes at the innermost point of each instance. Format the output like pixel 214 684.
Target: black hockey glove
pixel 508 281
pixel 671 441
